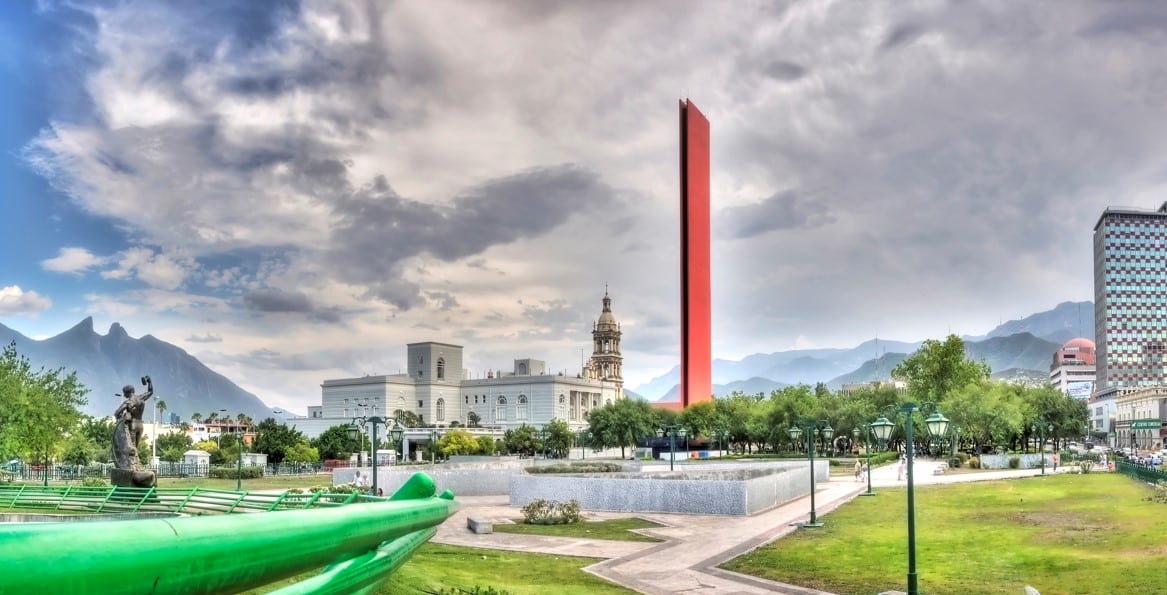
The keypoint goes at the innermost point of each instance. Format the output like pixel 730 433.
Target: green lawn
pixel 436 566
pixel 614 529
pixel 1062 534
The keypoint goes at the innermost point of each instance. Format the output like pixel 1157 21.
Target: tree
pixel 160 405
pixel 274 439
pixel 174 440
pixel 38 409
pixel 622 423
pixel 520 440
pixel 486 445
pixel 334 443
pixel 407 419
pixel 301 452
pixel 457 442
pixel 558 438
pixel 196 417
pixel 986 412
pixel 936 369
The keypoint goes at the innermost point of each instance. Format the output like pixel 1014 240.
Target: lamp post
pixel 354 433
pixel 722 434
pixel 672 431
pixel 937 425
pixel 812 427
pixel 396 435
pixel 434 435
pixel 580 439
pixel 866 431
pixel 1038 429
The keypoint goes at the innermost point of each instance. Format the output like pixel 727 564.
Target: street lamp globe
pixel 396 432
pixel 937 424
pixel 828 432
pixel 882 428
pixel 354 432
pixel 681 433
pixel 660 433
pixel 795 433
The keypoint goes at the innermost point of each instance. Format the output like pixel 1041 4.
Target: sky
pixel 292 191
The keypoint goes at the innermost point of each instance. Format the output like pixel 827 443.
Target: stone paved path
pixel 687 561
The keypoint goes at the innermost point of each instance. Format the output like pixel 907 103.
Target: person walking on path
pixel 858 470
pixel 900 469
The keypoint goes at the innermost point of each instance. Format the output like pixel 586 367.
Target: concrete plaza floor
pixel 686 562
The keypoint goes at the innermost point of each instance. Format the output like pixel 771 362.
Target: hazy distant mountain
pixel 750 386
pixel 1065 321
pixel 1024 347
pixel 105 363
pixel 1022 351
pixel 875 369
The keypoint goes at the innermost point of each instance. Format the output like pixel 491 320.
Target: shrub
pixel 94 482
pixel 1014 462
pixel 551 512
pixel 974 463
pixel 1086 465
pixel 231 472
pixel 953 463
pixel 596 467
pixel 340 488
pixel 962 457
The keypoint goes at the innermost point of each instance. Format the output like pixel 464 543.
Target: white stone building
pixel 436 388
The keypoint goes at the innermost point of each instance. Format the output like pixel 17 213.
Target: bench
pixel 479 525
pixel 940 469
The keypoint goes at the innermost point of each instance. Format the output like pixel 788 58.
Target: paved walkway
pixel 686 562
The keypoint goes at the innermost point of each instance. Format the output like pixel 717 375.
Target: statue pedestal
pixel 128 478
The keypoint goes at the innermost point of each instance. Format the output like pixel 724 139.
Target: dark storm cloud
pixel 377 230
pixel 900 35
pixel 445 300
pixel 784 71
pixel 277 301
pixel 784 210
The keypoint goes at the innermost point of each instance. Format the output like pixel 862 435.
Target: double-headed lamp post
pixel 672 431
pixel 937 426
pixel 354 433
pixel 812 428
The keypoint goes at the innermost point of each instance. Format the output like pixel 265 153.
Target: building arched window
pixel 440 414
pixel 441 368
pixel 521 408
pixel 500 410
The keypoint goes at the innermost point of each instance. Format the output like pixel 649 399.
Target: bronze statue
pixel 128 471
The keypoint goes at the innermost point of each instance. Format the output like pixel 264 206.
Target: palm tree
pixel 161 407
pixel 196 417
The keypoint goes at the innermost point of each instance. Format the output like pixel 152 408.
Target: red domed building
pixel 1073 368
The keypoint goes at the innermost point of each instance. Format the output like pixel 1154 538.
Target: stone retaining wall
pixel 1027 461
pixel 724 491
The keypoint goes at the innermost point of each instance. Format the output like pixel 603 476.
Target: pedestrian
pixel 863 472
pixel 1055 461
pixel 900 470
pixel 858 470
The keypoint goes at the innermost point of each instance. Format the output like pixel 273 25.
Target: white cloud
pixel 72 260
pixel 14 300
pixel 887 168
pixel 159 270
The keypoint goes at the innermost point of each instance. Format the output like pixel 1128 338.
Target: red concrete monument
pixel 696 353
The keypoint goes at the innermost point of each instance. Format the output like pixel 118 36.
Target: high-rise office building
pixel 1130 298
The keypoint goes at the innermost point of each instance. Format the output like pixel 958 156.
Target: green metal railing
pixel 188 501
pixel 1148 474
pixel 212 547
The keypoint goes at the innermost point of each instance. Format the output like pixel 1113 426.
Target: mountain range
pixel 1018 349
pixel 106 363
pixel 1015 349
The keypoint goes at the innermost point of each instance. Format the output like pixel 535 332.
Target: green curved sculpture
pixel 357 546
